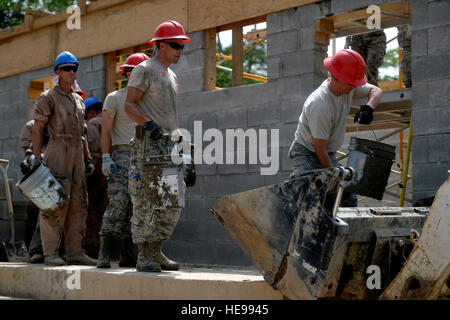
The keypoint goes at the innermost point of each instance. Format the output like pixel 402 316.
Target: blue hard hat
pixel 65 57
pixel 89 102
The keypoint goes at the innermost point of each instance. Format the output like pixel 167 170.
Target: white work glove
pixel 108 166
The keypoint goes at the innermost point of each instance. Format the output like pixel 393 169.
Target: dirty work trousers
pixel 150 222
pixel 71 218
pixel 305 160
pixel 116 220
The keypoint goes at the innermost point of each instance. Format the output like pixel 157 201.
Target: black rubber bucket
pixel 372 161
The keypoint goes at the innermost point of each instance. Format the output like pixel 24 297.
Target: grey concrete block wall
pixel 431 95
pixel 15 107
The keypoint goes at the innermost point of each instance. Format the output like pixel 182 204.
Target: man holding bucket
pixel 151 103
pixel 68 158
pixel 322 123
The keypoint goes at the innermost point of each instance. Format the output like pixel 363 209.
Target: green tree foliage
pixel 12 12
pixel 390 61
pixel 255 62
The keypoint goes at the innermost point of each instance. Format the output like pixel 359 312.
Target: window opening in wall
pixel 241 54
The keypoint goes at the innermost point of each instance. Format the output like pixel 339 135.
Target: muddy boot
pixel 82 260
pixel 103 253
pixel 54 261
pixel 160 258
pixel 144 262
pixel 127 257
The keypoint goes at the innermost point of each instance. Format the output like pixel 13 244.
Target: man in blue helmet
pixel 97 193
pixel 68 158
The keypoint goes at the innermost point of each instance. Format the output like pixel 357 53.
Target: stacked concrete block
pixel 431 95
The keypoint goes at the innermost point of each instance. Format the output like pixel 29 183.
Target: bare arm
pixel 107 125
pixel 375 95
pixel 131 107
pixel 320 146
pixel 86 152
pixel 36 137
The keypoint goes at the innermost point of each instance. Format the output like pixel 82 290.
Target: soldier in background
pixel 372 47
pixel 117 131
pixel 96 183
pixel 404 41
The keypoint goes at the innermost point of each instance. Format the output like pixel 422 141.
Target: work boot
pixel 37 258
pixel 160 258
pixel 144 261
pixel 127 257
pixel 103 253
pixel 54 261
pixel 82 260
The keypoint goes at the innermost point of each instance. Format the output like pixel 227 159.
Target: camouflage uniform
pixel 372 47
pixel 152 221
pixel 404 41
pixel 116 219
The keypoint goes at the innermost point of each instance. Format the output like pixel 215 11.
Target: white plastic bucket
pixel 42 188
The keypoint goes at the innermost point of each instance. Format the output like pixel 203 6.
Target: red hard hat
pixel 79 91
pixel 133 60
pixel 348 66
pixel 169 30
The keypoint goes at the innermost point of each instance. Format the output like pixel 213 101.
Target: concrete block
pixel 98 62
pixel 197 41
pixel 275 179
pixel 234 118
pixel 435 147
pixel 191 80
pixel 11 83
pixel 419 43
pixel 189 60
pixel 197 209
pixel 219 186
pixel 307 14
pixel 297 63
pixel 429 176
pixel 287 134
pixel 289 20
pixel 297 87
pixel 274 22
pixel 85 65
pixel 431 67
pixel 266 113
pixel 291 110
pixel 419 14
pixel 99 93
pixel 439 93
pixel 5 130
pixel 285 161
pixel 419 195
pixel 306 38
pixel 420 150
pixel 283 42
pixel 438 13
pixel 227 253
pixel 273 68
pixel 206 169
pixel 248 182
pixel 431 121
pixel 420 95
pixel 439 40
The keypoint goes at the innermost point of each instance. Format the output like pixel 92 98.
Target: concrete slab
pixel 89 283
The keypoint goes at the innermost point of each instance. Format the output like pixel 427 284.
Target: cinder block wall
pixel 431 95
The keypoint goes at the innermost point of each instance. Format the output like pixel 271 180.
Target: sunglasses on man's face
pixel 69 68
pixel 175 45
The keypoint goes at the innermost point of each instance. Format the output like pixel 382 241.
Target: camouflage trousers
pixel 116 219
pixel 372 47
pixel 150 222
pixel 305 160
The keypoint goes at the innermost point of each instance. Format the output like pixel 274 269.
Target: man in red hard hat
pixel 151 103
pixel 117 131
pixel 322 123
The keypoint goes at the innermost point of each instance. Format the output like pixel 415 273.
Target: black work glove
pixel 364 115
pixel 89 167
pixel 25 167
pixel 154 129
pixel 36 162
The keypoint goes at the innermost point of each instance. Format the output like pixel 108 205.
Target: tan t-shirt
pixel 124 128
pixel 160 87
